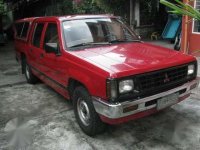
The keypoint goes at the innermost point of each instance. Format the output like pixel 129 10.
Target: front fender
pixel 95 84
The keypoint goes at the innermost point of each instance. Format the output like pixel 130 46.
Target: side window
pixel 19 27
pixel 37 34
pixel 25 30
pixel 51 35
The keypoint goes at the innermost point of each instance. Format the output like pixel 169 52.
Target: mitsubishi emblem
pixel 166 78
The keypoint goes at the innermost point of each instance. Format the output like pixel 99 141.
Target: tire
pixel 30 77
pixel 86 116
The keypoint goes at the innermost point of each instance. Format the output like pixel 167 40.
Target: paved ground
pixel 34 117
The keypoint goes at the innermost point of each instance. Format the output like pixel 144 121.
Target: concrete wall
pixel 145 32
pixel 134 13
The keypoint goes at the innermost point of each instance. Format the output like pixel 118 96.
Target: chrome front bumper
pixel 114 111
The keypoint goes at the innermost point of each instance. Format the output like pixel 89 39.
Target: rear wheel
pixel 30 77
pixel 86 116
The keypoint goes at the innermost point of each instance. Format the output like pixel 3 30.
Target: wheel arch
pixel 73 83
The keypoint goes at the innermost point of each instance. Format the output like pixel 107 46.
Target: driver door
pixel 53 59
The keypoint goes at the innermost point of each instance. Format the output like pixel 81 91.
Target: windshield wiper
pixel 121 41
pixel 103 43
pixel 90 44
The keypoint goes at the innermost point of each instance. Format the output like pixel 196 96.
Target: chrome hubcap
pixel 27 72
pixel 83 111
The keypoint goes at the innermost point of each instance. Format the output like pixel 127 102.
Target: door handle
pixel 42 55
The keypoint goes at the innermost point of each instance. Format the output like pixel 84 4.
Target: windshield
pixel 96 31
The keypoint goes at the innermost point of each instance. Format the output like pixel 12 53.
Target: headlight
pixel 191 69
pixel 126 86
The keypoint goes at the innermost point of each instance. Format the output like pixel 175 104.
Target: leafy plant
pixel 116 7
pixel 181 8
pixel 87 6
pixel 80 7
pixel 1 6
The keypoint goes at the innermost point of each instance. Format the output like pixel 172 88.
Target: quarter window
pixel 22 29
pixel 196 27
pixel 19 27
pixel 25 30
pixel 37 34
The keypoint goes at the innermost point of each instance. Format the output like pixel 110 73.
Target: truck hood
pixel 132 58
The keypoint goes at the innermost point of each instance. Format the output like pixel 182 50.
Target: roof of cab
pixel 65 18
pixel 76 17
pixel 26 20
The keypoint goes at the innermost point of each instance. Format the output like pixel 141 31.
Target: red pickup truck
pixel 102 66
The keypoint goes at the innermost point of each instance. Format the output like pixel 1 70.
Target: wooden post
pixel 185 33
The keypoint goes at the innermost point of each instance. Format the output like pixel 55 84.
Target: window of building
pixel 196 24
pixel 37 34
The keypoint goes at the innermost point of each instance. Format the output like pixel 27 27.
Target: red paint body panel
pixel 93 66
pixel 133 58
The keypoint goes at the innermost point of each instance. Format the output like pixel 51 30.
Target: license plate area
pixel 167 101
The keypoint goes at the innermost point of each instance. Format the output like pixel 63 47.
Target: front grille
pixel 155 82
pixel 162 78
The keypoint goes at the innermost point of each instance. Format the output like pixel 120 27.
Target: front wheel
pixel 87 118
pixel 30 77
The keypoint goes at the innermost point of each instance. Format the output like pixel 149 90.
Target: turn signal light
pixel 130 108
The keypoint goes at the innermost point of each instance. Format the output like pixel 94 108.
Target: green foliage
pixel 117 7
pixel 87 7
pixel 182 9
pixel 104 4
pixel 67 7
pixel 1 6
pixel 84 7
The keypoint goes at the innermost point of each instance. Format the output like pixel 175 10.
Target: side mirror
pixel 52 48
